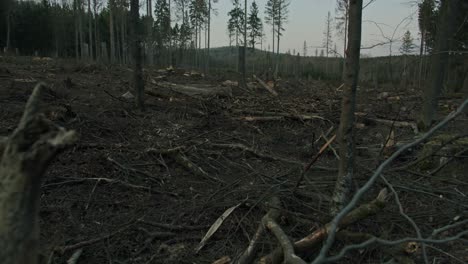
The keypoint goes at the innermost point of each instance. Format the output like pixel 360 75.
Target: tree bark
pixel 90 29
pixel 209 38
pixel 80 27
pixel 138 82
pixel 243 53
pixel 149 37
pixel 77 45
pixel 348 106
pixel 445 34
pixel 25 156
pixel 8 33
pixel 111 31
pixel 97 42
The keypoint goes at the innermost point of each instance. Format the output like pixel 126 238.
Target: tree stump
pixel 24 157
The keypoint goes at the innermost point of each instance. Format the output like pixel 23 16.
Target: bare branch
pixel 334 224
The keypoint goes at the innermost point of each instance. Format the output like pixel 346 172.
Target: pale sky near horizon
pixel 307 23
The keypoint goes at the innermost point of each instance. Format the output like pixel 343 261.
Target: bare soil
pixel 132 206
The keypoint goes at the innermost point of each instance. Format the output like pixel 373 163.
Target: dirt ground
pixel 131 205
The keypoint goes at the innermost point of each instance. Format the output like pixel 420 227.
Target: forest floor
pixel 129 201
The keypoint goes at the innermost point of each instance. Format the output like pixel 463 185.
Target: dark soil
pixel 108 186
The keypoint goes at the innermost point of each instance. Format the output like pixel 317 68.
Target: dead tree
pixel 138 82
pixel 348 106
pixel 439 63
pixel 25 155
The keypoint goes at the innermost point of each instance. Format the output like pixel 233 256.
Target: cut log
pixel 266 86
pixel 192 90
pixel 24 159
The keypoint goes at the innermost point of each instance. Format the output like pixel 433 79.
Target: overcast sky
pixel 307 23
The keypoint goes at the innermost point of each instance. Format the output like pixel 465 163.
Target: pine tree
pixel 407 46
pixel 236 21
pixel 255 25
pixel 162 24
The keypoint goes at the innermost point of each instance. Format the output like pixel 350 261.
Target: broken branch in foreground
pixel 269 221
pixel 312 241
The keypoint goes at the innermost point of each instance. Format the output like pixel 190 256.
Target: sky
pixel 307 23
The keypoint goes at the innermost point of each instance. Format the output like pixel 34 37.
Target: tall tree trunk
pixel 348 105
pixel 421 58
pixel 90 29
pixel 170 35
pixel 97 42
pixel 80 28
pixel 345 37
pixel 111 31
pixel 138 83
pixel 243 64
pixel 439 61
pixel 8 32
pixel 77 45
pixel 123 34
pixel 278 36
pixel 149 30
pixel 209 38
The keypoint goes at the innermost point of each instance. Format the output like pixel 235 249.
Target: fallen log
pixel 309 243
pixel 394 123
pixel 25 157
pixel 179 157
pixel 264 85
pixel 191 90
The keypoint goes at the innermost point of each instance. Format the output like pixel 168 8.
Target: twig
pixel 441 166
pixel 392 243
pixel 334 224
pixel 406 216
pixel 325 137
pixel 173 227
pixel 125 168
pixel 255 152
pixel 85 243
pixel 314 159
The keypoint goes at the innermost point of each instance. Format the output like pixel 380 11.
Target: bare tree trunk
pixel 111 31
pixel 149 30
pixel 278 35
pixel 75 14
pixel 421 60
pixel 8 33
pixel 243 52
pixel 123 33
pixel 348 106
pixel 24 158
pixel 90 29
pixel 97 43
pixel 209 39
pixel 170 35
pixel 138 82
pixel 80 28
pixel 439 62
pixel 345 37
